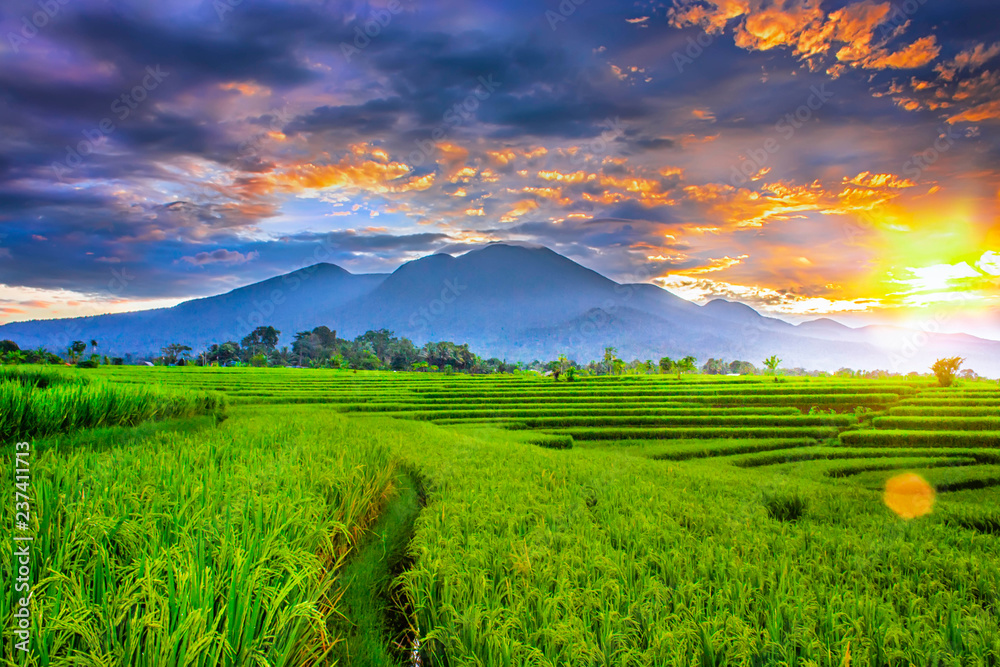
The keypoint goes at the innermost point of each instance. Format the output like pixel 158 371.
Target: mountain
pixel 289 302
pixel 513 302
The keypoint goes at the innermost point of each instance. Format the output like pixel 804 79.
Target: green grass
pixel 372 609
pixel 570 560
pixel 901 438
pixel 630 521
pixel 938 423
pixel 694 448
pixel 639 433
pixel 215 546
pixel 39 404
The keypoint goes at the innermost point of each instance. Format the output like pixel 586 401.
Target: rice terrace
pixel 633 520
pixel 483 333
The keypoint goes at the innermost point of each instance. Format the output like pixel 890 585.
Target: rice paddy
pixel 352 518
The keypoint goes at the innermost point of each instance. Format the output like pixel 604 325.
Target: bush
pixel 946 369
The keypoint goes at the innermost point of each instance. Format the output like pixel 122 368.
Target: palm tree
pixel 14 357
pixel 772 364
pixel 93 346
pixel 610 354
pixel 74 351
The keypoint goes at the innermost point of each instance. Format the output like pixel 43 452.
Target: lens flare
pixel 909 495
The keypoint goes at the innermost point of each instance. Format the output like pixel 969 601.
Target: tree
pixel 559 366
pixel 771 363
pixel 303 346
pixel 93 346
pixel 946 369
pixel 380 342
pixel 402 354
pixel 175 352
pixel 261 340
pixel 8 346
pixel 715 367
pixel 686 365
pixel 13 357
pixel 316 347
pixel 223 354
pixel 75 349
pixel 667 364
pixel 742 368
pixel 610 355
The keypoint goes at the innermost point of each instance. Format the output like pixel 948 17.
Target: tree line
pixel 382 350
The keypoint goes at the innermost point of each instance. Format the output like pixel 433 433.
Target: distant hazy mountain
pixel 511 302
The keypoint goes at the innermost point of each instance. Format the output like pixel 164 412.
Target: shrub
pixel 946 369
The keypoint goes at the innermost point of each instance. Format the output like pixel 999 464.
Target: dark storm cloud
pixel 371 117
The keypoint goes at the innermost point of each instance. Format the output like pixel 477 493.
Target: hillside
pixel 511 302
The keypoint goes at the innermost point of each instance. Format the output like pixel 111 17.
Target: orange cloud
pixel 917 54
pixel 364 168
pixel 571 177
pixel 717 264
pixel 509 155
pixel 712 18
pixel 554 194
pixel 869 180
pixel 453 159
pixel 977 56
pixel 520 208
pixel 985 111
pixel 780 24
pixel 248 88
pixel 804 27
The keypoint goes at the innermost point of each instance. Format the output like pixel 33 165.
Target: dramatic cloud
pixel 221 256
pixel 805 157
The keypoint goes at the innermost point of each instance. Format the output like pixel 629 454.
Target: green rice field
pixel 240 516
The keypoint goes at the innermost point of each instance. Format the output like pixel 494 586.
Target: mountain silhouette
pixel 512 302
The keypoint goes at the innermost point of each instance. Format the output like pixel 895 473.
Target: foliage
pixel 175 352
pixel 40 404
pixel 261 340
pixel 686 365
pixel 946 369
pixel 772 363
pixel 231 537
pixel 633 548
pixel 75 349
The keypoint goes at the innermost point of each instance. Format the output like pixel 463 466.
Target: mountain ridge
pixel 512 302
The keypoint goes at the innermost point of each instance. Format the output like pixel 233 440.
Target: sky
pixel 807 158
